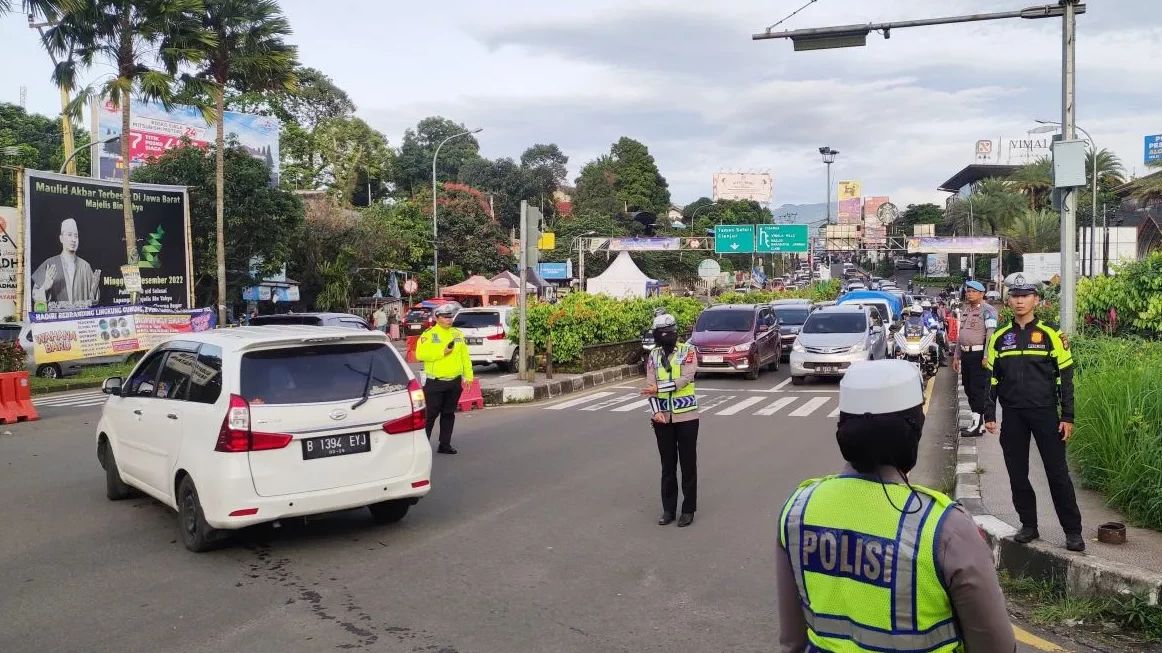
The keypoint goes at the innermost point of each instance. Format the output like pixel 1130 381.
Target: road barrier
pixel 411 349
pixel 472 397
pixel 16 398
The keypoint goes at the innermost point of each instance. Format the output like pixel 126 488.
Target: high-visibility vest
pixel 669 399
pixel 438 365
pixel 866 573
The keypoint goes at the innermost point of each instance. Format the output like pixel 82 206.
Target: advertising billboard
pixel 953 245
pixel 754 186
pixel 1017 150
pixel 110 331
pixel 841 237
pixel 644 244
pixel 153 130
pixel 1153 149
pixel 851 211
pixel 75 244
pixel 11 230
pixel 936 265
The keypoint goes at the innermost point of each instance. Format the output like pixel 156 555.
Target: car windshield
pixel 416 316
pixel 836 323
pixel 476 319
pixel 322 373
pixel 725 321
pixel 792 315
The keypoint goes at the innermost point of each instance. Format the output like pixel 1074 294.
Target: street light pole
pixel 77 151
pixel 828 158
pixel 1069 201
pixel 1053 125
pixel 435 224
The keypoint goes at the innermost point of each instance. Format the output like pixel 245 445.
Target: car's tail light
pixel 413 421
pixel 499 335
pixel 235 435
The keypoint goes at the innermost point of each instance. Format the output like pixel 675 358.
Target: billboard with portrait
pixel 153 129
pixel 74 235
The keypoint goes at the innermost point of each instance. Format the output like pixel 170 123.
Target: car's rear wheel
pixel 50 371
pixel 778 357
pixel 197 535
pixel 115 488
pixel 798 380
pixel 752 371
pixel 513 363
pixel 389 512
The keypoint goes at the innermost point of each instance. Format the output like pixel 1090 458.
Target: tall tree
pixel 639 183
pixel 1035 180
pixel 597 189
pixel 126 34
pixel 37 143
pixel 1032 232
pixel 413 169
pixel 545 166
pixel 348 147
pixel 992 206
pixel 506 184
pixel 1148 189
pixel 239 43
pixel 915 214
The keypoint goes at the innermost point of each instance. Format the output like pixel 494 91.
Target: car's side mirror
pixel 112 386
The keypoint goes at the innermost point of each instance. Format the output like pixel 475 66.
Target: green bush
pixel 820 291
pixel 11 357
pixel 1117 442
pixel 580 319
pixel 1135 292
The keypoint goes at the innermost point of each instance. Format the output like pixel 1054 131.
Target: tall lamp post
pixel 580 240
pixel 435 224
pixel 1052 126
pixel 828 158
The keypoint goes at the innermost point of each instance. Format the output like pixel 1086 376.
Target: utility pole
pixel 522 297
pixel 1069 201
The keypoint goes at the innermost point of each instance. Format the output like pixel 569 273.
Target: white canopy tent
pixel 622 279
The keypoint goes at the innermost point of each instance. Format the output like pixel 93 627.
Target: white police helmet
pixel 880 387
pixel 665 321
pixel 444 310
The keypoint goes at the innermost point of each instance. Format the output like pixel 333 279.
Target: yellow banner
pixel 849 190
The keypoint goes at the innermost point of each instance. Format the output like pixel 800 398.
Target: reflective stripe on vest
pixel 836 553
pixel 678 401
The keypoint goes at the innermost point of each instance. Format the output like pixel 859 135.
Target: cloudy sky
pixel 685 78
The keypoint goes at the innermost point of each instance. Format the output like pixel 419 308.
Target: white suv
pixel 486 334
pixel 236 427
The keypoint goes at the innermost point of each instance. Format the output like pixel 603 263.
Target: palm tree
pixel 1148 189
pixel 1033 231
pixel 1035 180
pixel 247 52
pixel 123 33
pixel 1110 172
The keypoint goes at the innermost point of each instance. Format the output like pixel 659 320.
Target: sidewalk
pixel 1103 569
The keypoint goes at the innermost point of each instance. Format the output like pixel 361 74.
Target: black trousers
pixel 1016 426
pixel 442 398
pixel 975 379
pixel 678 444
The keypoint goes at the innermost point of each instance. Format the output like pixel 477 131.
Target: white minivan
pixel 235 427
pixel 485 332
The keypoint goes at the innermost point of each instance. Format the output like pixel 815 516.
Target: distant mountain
pixel 804 213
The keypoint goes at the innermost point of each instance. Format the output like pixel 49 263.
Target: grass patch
pixel 88 377
pixel 1117 443
pixel 1049 604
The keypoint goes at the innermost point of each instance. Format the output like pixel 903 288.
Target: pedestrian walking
pixel 1032 376
pixel 379 319
pixel 447 369
pixel 867 561
pixel 674 415
pixel 978 322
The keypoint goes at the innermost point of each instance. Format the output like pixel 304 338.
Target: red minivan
pixel 737 339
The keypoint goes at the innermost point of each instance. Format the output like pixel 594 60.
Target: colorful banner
pixel 849 190
pixel 11 238
pixel 75 244
pixel 110 331
pixel 851 211
pixel 645 244
pixel 153 130
pixel 936 265
pixel 954 245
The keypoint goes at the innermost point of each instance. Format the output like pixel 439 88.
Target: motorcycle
pixel 916 345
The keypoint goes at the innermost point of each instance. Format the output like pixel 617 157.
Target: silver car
pixel 833 338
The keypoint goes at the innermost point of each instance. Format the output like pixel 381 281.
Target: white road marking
pixel 810 406
pixel 780 386
pixel 580 400
pixel 69 399
pixel 634 406
pixel 834 413
pixel 775 407
pixel 741 406
pixel 609 403
pixel 714 402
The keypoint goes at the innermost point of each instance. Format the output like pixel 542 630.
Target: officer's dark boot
pixel 1028 534
pixel 666 519
pixel 1075 542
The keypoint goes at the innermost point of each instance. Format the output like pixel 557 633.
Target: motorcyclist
pixel 933 323
pixel 917 325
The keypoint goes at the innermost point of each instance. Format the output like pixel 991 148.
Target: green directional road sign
pixel 782 239
pixel 734 239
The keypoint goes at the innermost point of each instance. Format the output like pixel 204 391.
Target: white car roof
pixel 292 335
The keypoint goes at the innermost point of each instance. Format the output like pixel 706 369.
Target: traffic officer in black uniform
pixel 1032 376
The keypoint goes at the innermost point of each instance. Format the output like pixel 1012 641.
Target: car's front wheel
pixel 389 512
pixel 115 488
pixel 50 371
pixel 197 535
pixel 798 380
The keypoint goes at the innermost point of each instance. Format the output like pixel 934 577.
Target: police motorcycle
pixel 917 343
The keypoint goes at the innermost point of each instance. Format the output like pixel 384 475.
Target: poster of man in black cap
pixel 75 239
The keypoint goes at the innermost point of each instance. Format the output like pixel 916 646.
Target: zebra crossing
pixel 710 405
pixel 71 400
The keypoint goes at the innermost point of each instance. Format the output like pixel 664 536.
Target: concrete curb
pixel 549 389
pixel 1082 574
pixel 69 385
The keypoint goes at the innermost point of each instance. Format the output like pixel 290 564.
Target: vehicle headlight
pixel 741 349
pixel 798 346
pixel 859 346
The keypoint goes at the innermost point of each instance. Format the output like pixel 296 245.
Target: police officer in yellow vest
pixel 447 369
pixel 674 408
pixel 868 562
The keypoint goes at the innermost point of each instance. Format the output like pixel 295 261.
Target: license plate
pixel 827 369
pixel 711 359
pixel 330 446
pixel 475 341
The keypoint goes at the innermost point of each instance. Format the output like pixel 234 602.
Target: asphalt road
pixel 539 536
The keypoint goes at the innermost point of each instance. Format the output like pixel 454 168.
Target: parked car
pixel 486 334
pixel 417 320
pixel 21 335
pixel 833 338
pixel 341 320
pixel 791 313
pixel 737 338
pixel 908 263
pixel 237 427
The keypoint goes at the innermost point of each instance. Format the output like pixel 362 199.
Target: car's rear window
pixel 725 321
pixel 836 323
pixel 476 319
pixel 321 373
pixel 792 315
pixel 267 320
pixel 416 316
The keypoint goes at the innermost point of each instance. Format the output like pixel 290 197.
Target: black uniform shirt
pixel 1031 368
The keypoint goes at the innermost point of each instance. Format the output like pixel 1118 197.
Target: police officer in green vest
pixel 869 562
pixel 674 409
